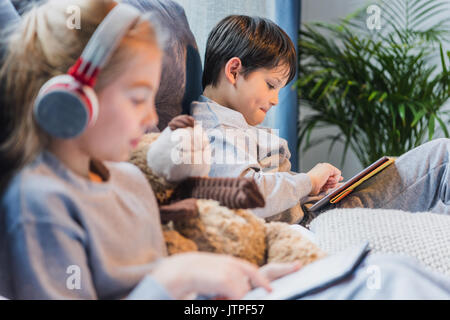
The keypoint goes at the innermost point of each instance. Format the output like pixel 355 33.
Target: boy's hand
pixel 323 177
pixel 182 121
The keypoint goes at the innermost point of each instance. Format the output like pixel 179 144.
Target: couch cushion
pixel 171 18
pixel 424 236
pixel 8 14
pixel 181 49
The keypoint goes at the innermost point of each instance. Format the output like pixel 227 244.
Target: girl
pixel 78 222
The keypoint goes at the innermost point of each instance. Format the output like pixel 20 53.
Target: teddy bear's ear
pixel 179 210
pixel 234 193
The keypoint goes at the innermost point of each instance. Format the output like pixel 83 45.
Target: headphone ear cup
pixel 63 108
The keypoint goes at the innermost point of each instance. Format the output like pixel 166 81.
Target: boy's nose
pixel 151 119
pixel 274 100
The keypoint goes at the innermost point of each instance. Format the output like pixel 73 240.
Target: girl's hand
pixel 273 271
pixel 210 275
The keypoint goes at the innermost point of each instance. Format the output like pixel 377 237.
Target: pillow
pixel 8 18
pixel 424 236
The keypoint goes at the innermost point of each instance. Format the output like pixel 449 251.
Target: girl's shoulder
pixel 47 192
pixel 36 179
pixel 35 195
pixel 128 176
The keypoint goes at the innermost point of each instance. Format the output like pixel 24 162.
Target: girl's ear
pixel 232 69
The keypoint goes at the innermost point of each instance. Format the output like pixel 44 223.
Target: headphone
pixel 67 104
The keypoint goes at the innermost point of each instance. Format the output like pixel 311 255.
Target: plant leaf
pixel 444 64
pixel 372 96
pixel 431 127
pixel 401 111
pixel 443 126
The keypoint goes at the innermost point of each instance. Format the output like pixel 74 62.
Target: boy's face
pixel 258 92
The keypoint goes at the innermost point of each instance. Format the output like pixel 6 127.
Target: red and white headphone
pixel 67 104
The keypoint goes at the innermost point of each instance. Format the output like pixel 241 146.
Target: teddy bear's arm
pixel 234 193
pixel 183 209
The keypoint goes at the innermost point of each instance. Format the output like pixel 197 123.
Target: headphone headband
pixel 103 43
pixel 67 104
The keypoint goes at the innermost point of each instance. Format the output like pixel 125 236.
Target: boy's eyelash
pixel 270 86
pixel 138 101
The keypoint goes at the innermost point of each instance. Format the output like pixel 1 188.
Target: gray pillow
pixel 8 18
pixel 424 236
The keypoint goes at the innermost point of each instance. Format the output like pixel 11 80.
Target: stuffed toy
pixel 211 214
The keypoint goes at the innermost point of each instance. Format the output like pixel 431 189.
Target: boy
pixel 247 61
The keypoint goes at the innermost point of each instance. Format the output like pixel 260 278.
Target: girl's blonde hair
pixel 43 46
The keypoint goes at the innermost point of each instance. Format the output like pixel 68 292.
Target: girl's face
pixel 126 107
pixel 258 92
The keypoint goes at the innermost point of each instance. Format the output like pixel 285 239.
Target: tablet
pixel 314 276
pixel 338 194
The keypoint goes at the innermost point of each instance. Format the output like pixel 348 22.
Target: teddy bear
pixel 199 213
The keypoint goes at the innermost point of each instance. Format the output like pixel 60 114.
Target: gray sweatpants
pixel 417 181
pixel 387 277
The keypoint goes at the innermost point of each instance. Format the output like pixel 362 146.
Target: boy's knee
pixel 440 148
pixel 443 143
pixel 437 149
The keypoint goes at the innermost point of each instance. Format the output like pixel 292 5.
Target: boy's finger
pixel 335 171
pixel 332 181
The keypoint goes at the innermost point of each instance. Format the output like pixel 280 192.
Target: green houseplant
pixel 382 88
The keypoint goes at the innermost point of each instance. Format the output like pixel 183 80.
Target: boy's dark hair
pixel 258 42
